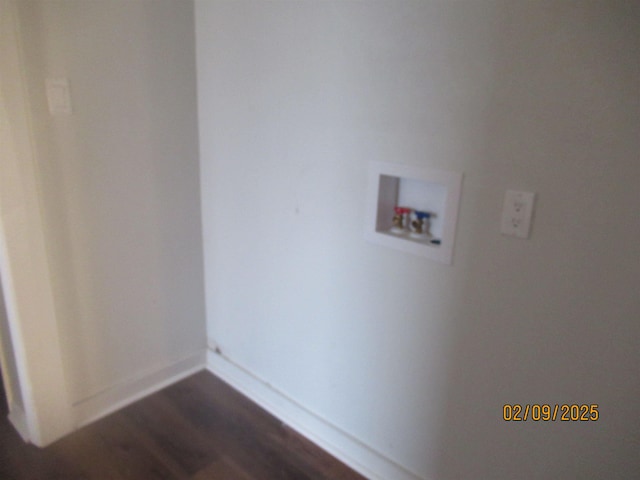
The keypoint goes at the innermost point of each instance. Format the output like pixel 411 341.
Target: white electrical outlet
pixel 516 213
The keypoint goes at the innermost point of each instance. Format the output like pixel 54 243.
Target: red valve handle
pixel 401 210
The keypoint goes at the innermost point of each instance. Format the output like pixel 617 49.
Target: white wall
pixel 410 357
pixel 119 186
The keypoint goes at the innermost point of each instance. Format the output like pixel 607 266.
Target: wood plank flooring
pixel 197 429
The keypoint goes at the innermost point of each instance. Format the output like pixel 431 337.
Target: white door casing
pixel 24 268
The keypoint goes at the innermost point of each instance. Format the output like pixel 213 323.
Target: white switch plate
pixel 516 213
pixel 58 96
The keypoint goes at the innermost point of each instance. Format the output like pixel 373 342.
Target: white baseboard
pixel 119 396
pixel 338 443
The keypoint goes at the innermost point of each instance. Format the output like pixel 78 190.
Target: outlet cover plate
pixel 517 213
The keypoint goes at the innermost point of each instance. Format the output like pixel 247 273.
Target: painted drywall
pixel 119 185
pixel 413 358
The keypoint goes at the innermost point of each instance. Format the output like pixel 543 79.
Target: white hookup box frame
pixel 434 191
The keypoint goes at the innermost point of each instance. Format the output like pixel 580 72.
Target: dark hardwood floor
pixel 197 429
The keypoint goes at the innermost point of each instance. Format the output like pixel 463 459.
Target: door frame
pixel 24 266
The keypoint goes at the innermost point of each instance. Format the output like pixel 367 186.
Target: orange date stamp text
pixel 516 412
